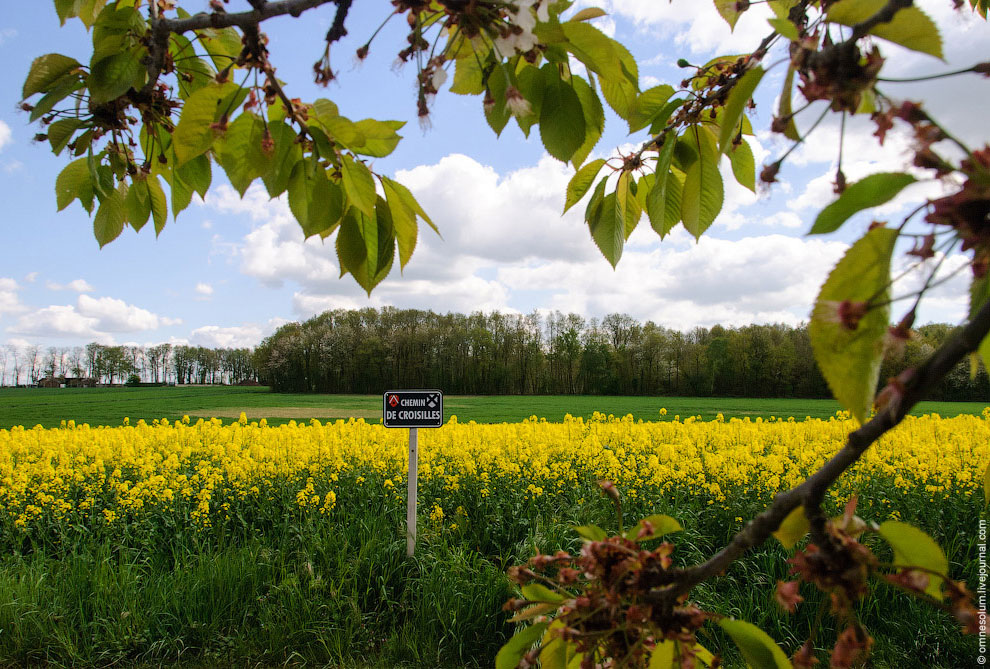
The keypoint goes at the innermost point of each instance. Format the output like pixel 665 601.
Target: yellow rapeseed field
pixel 204 473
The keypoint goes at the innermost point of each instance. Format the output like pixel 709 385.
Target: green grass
pixel 339 591
pixel 108 406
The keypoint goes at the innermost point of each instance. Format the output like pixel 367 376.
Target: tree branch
pixel 162 27
pixel 812 491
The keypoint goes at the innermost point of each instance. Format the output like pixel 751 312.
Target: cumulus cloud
pixel 9 300
pixel 204 289
pixel 5 135
pixel 58 321
pixel 214 336
pixel 771 278
pixel 91 318
pixel 77 285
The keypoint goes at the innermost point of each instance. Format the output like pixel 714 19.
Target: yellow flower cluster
pixel 205 473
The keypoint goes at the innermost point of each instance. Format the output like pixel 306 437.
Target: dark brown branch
pixel 812 491
pixel 337 30
pixel 268 10
pixel 162 27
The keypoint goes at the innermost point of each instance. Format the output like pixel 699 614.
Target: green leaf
pixel 496 113
pixel 468 76
pixel 727 10
pixel 223 45
pixel 703 192
pixel 45 71
pixel 743 165
pixel 410 201
pixel 757 648
pixel 979 293
pixel 619 77
pixel 562 126
pixel 181 196
pixel 75 181
pixel 607 224
pixel 509 655
pixel 785 28
pixel 594 118
pixel 661 192
pixel 588 13
pixel 137 204
pixel 784 110
pixel 648 105
pixel 366 245
pixel 913 548
pixel 159 206
pixel 316 203
pixel 735 106
pixel 59 91
pixel 911 27
pixel 793 528
pixel 850 359
pixel 531 82
pixel 380 137
pixel 591 532
pixel 557 653
pixel 184 56
pixel 661 525
pixel 60 133
pixel 663 654
pixel 871 191
pixel 109 220
pixel 403 220
pixel 359 185
pixel 581 182
pixel 113 76
pixel 240 151
pixel 287 154
pixel 197 174
pixel 193 135
pixel 536 592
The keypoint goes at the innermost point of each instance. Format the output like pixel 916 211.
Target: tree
pixel 154 105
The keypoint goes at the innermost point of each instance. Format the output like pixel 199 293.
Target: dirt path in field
pixel 254 413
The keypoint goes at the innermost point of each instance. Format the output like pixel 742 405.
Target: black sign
pixel 413 408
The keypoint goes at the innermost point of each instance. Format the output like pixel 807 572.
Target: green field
pixel 109 406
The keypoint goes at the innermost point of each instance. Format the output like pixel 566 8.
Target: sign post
pixel 412 409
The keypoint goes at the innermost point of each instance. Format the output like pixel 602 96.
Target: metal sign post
pixel 413 409
pixel 411 494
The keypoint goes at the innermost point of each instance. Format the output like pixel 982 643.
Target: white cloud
pixel 31 277
pixel 57 321
pixel 90 318
pixel 755 280
pixel 7 34
pixel 9 301
pixel 114 315
pixel 214 336
pixel 78 285
pixel 695 25
pixel 5 135
pixel 204 289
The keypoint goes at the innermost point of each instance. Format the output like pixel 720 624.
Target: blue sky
pixel 229 270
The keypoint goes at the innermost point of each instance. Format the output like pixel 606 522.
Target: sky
pixel 230 271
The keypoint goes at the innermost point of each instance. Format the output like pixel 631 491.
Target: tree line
pixel 109 365
pixel 370 350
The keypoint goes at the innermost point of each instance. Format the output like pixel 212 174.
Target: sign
pixel 412 408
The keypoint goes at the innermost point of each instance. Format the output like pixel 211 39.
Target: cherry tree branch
pixel 811 492
pixel 162 28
